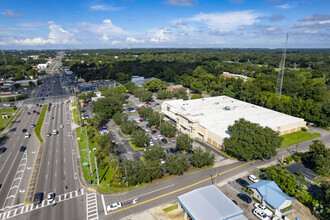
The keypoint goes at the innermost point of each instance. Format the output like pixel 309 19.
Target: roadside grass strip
pixel 171 208
pixel 40 122
pixel 76 116
pixel 106 172
pixel 14 120
pixel 135 147
pixel 9 112
pixel 297 137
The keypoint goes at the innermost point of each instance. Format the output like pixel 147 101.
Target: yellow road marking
pixel 91 189
pixel 178 190
pixel 282 152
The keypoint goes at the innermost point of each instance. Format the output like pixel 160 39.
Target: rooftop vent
pixel 226 108
pixel 217 103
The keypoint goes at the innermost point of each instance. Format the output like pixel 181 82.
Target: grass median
pixel 105 173
pixel 297 137
pixel 9 112
pixel 40 122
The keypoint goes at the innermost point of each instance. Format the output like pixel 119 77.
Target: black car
pixel 24 130
pixel 242 182
pixel 190 151
pixel 2 150
pixel 245 197
pixel 22 149
pixel 164 141
pixel 234 202
pixel 29 113
pixel 38 197
pixel 173 151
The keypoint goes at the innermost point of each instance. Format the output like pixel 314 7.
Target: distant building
pixel 42 66
pixel 68 72
pixel 34 57
pixel 208 118
pixel 236 76
pixel 270 195
pixel 26 82
pixel 209 203
pixel 85 86
pixel 139 80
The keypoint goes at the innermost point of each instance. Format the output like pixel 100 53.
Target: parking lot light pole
pixel 97 172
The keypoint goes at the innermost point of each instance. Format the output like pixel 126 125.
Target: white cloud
pixel 286 6
pixel 11 14
pixel 2 43
pixel 58 35
pixel 31 24
pixel 183 3
pixel 105 37
pixel 159 36
pixel 228 21
pixel 32 42
pixel 115 42
pixel 103 7
pixel 133 40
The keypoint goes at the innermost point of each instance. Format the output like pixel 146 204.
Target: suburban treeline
pixel 305 87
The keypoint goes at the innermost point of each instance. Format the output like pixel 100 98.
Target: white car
pixel 27 135
pixel 61 126
pixel 263 208
pixel 51 197
pixel 253 178
pixel 260 214
pixel 160 136
pixel 154 138
pixel 114 206
pixel 55 131
pixel 162 161
pixel 147 130
pixel 151 143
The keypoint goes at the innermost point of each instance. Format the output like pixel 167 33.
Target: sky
pixel 88 24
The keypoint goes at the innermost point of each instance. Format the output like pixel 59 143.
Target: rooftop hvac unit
pixel 227 108
pixel 217 103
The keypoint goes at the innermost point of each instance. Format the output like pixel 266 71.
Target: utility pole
pixel 97 172
pixel 279 84
pixel 126 178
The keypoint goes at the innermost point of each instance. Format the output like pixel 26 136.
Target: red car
pixel 34 111
pixel 149 103
pixel 141 120
pixel 137 109
pixel 153 132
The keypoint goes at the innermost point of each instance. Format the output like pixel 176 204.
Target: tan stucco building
pixel 209 118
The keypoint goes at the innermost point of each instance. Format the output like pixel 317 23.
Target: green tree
pixel 180 94
pixel 152 170
pixel 251 141
pixel 105 108
pixel 101 159
pixel 318 158
pixel 119 118
pixel 145 111
pixel 167 129
pixel 155 84
pixel 197 86
pixel 176 164
pixel 154 118
pixel 201 158
pixel 184 142
pixel 128 127
pixel 139 138
pixel 154 153
pixel 163 94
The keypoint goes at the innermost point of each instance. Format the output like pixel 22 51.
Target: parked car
pixel 151 143
pixel 253 178
pixel 242 182
pixel 260 214
pixel 114 206
pixel 141 120
pixel 34 111
pixel 245 197
pixel 29 113
pixel 263 208
pixel 173 151
pixel 164 141
pixel 153 131
pixel 162 161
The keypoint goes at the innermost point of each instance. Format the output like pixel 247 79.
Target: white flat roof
pixel 217 113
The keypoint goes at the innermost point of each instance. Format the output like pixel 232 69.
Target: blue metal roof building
pixel 209 203
pixel 268 192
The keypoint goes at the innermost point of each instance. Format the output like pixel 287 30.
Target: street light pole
pixel 97 172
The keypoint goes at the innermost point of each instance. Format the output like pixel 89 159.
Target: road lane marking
pixel 104 208
pixel 181 189
pixel 5 162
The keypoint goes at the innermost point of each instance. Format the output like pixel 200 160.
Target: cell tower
pixel 279 83
pixel 4 57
